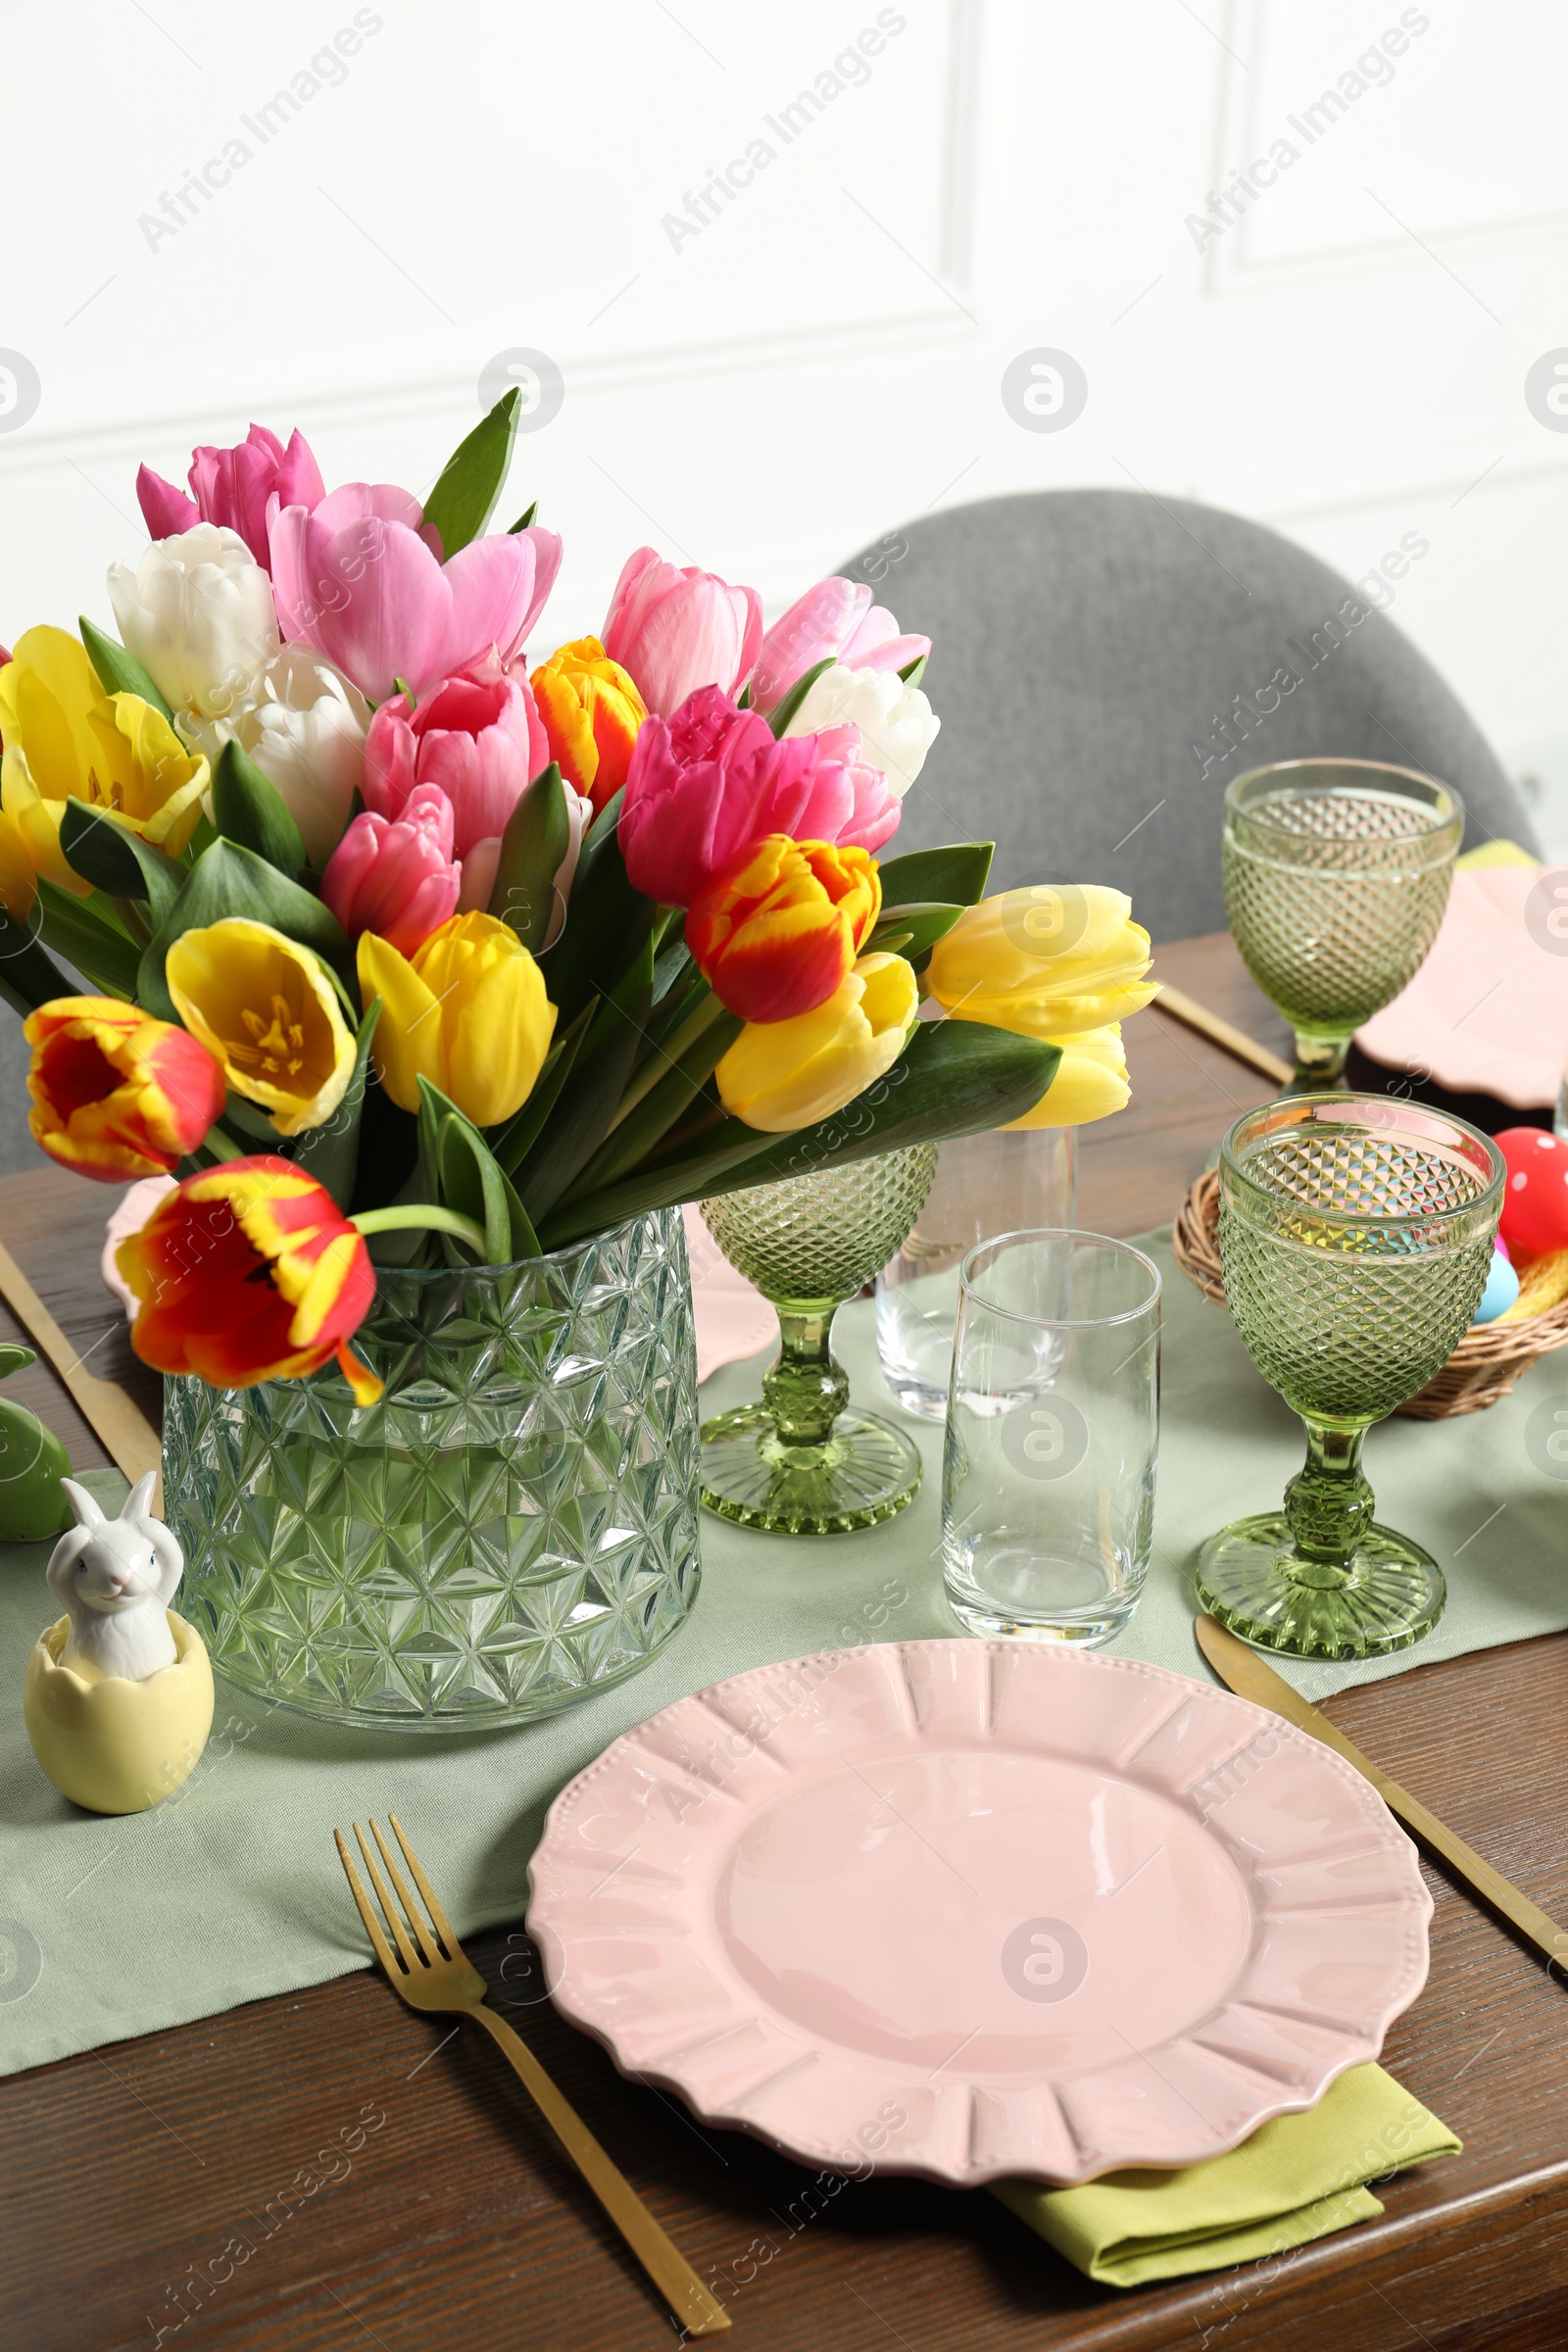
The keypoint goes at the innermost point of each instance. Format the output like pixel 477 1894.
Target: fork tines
pixel 436 1940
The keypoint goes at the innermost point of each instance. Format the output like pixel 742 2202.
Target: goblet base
pixel 864 1471
pixel 1252 1577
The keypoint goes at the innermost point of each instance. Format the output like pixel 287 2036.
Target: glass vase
pixel 512 1527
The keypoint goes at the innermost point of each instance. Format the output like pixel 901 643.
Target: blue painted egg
pixel 1502 1289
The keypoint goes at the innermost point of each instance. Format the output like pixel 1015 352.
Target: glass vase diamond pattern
pixel 512 1527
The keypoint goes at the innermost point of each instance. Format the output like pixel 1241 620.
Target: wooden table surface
pixel 145 2189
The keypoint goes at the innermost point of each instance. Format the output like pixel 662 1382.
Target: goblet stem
pixel 1328 1506
pixel 808 1387
pixel 1320 1062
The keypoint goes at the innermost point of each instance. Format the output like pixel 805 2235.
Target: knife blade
pixel 1243 1671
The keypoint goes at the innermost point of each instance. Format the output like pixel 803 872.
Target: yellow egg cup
pixel 113 1746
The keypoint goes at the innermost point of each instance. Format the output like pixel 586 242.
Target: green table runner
pixel 231 1889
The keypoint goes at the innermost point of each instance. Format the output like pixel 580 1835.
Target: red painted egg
pixel 1535 1193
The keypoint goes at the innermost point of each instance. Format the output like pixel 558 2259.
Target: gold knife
pixel 1243 1671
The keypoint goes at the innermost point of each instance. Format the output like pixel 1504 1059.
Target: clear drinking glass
pixel 999 1182
pixel 1337 873
pixel 1047 1481
pixel 1355 1232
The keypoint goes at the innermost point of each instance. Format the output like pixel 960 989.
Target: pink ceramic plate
pixel 968 1909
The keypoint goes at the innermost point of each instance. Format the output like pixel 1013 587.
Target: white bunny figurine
pixel 117 1578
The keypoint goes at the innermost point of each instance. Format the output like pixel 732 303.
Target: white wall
pixel 823 359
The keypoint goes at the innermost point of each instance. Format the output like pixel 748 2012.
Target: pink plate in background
pixel 968 1909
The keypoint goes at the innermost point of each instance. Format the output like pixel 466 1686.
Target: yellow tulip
pixel 781 1075
pixel 264 1009
pixel 1091 1082
pixel 468 1012
pixel 67 740
pixel 19 884
pixel 1049 961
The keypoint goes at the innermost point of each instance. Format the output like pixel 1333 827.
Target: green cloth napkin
pixel 1296 2179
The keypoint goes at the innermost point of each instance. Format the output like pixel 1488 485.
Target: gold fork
pixel 439 1975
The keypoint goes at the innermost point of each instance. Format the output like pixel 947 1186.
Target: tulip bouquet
pixel 404 951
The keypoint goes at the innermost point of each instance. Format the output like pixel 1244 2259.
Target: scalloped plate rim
pixel 1358 2047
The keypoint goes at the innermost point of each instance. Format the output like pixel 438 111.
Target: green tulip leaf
pixel 330 1153
pixel 914 671
pixel 586 1107
pixel 525 519
pixel 608 928
pixel 117 861
pixel 465 497
pixel 120 672
pixel 469 1179
pixel 230 879
pixel 778 718
pixel 88 933
pixel 911 930
pixel 953 1078
pixel 29 974
pixel 951 876
pixel 248 808
pixel 537 837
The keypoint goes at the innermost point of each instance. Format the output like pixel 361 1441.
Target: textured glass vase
pixel 1337 873
pixel 801 1461
pixel 511 1528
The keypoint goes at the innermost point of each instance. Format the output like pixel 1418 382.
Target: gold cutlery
pixel 1243 1671
pixel 432 1972
pixel 128 1437
pixel 1224 1034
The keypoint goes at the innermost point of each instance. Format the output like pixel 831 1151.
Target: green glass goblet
pixel 803 1462
pixel 1337 873
pixel 1354 1233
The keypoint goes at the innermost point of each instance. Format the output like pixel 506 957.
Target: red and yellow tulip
pixel 776 934
pixel 591 711
pixel 114 1093
pixel 249 1272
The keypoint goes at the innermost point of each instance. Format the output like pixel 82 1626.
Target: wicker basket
pixel 1484 1366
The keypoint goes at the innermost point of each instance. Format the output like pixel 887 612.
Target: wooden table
pixel 131 2179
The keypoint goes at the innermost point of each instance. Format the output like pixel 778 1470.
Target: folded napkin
pixel 1296 2179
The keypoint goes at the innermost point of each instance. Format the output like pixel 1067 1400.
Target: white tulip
pixel 198 613
pixel 898 725
pixel 304 725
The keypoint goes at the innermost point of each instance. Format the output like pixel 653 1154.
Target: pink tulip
pixel 708 783
pixel 363 581
pixel 396 877
pixel 836 619
pixel 676 630
pixel 235 486
pixel 478 737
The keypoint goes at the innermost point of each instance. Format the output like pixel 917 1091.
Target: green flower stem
pixel 671 1052
pixel 223 1144
pixel 422 1217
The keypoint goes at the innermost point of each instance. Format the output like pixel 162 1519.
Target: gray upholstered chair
pixel 1105 662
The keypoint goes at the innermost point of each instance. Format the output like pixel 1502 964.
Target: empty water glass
pixel 985 1185
pixel 1047 1481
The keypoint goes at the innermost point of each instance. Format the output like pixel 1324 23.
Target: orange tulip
pixel 114 1093
pixel 247 1272
pixel 775 934
pixel 591 712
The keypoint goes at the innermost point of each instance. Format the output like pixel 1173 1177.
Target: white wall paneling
pixel 770 360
